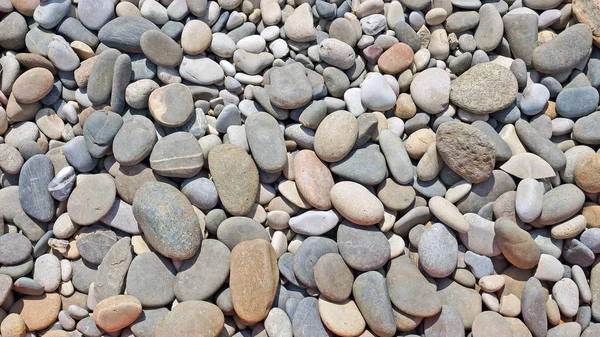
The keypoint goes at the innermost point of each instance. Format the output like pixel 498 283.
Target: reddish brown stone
pixel 253 279
pixel 397 58
pixel 587 173
pixel 38 312
pixel 117 312
pixel 313 179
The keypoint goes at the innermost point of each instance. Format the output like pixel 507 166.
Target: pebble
pixel 177 155
pixel 306 320
pixel 36 200
pixel 117 312
pixel 509 237
pixel 314 181
pixel 572 46
pixel 490 322
pixel 308 254
pixel 151 279
pixel 438 251
pixel 363 248
pixel 344 196
pixel 196 317
pixel 430 90
pixel 333 277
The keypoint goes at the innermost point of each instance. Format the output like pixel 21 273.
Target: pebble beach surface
pixel 299 168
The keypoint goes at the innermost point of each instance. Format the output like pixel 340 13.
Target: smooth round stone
pixel 532 303
pixel 458 191
pixel 32 85
pixel 438 251
pixel 484 89
pixel 466 150
pixel 117 312
pixel 577 102
pixel 490 29
pixel 201 192
pixel 235 230
pixel 196 37
pixel 47 272
pixel 564 52
pixel 36 201
pixel 77 155
pixel 343 319
pixel 299 25
pixel 146 323
pixel 490 322
pixel 134 141
pixel 363 248
pixel 336 136
pixel 376 93
pixel 193 282
pixel 395 196
pixel 371 295
pixel 314 222
pixel 49 123
pixel 84 274
pixel 356 203
pixel 560 204
pixel 566 295
pixel 173 232
pixel 534 99
pixel 314 181
pixel 446 212
pixel 333 277
pixel 447 322
pixel 306 320
pixel 410 291
pixel 14 28
pixel 91 199
pixel 396 58
pixel 62 55
pixel 236 177
pixel 11 160
pixel 13 326
pixel 591 238
pixel 253 279
pixel 150 279
pixel 95 14
pixel 529 200
pixel 516 244
pixel 430 90
pixel 198 318
pixel 286 93
pixel 38 312
pixel 584 129
pixel 337 53
pixel 171 105
pixel 16 248
pixel 307 256
pixel 366 166
pixel 266 142
pixel 201 70
pixel 549 269
pixel 570 228
pixel 159 48
pixel 99 130
pixel 49 13
pixel 177 155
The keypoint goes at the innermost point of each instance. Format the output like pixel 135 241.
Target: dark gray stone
pixel 306 321
pixel 99 130
pixel 94 243
pixel 110 279
pixel 124 33
pixel 16 248
pixel 101 78
pixel 36 200
pixel 84 273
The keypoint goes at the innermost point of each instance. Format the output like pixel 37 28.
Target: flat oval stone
pixel 11 160
pixel 371 295
pixel 333 277
pixel 560 203
pixel 91 199
pixel 577 102
pixel 410 291
pixel 366 166
pixel 168 220
pixel 198 318
pixel 193 282
pixel 447 322
pixel 16 248
pixel 466 150
pixel 145 325
pixel 237 229
pixel 314 222
pixel 306 321
pixel 307 256
pixel 484 89
pixel 110 278
pixel 490 322
pixel 480 238
pixel 336 136
pixel 356 203
pixel 396 58
pixel 253 279
pixel 362 247
pixel 125 32
pixel 289 86
pixel 343 318
pixel 438 251
pixel 177 155
pixel 490 29
pixel 33 85
pixel 171 105
pixel 564 52
pixel 94 242
pixel 446 212
pixel 201 70
pixel 266 142
pixel 150 279
pixel 38 312
pixel 196 37
pixel 159 48
pixel 95 14
pixel 36 201
pixel 235 176
pixel 134 141
pixel 516 244
pixel 99 130
pixel 313 179
pixel 47 272
pixel 84 274
pixel 117 312
pixel 278 323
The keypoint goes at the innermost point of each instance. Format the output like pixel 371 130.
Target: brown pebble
pixel 117 312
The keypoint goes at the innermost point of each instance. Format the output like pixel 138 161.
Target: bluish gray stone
pixel 36 200
pixel 124 33
pixel 366 166
pixel 371 295
pixel 307 256
pixel 577 102
pixel 362 247
pixel 150 279
pixel 306 321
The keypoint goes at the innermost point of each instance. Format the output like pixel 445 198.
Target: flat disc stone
pixel 177 155
pixel 193 318
pixel 171 105
pixel 150 279
pixel 134 141
pixel 235 176
pixel 168 220
pixel 161 49
pixel 16 248
pixel 193 282
pixel 34 196
pixel 91 199
pixel 485 88
pixel 363 247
